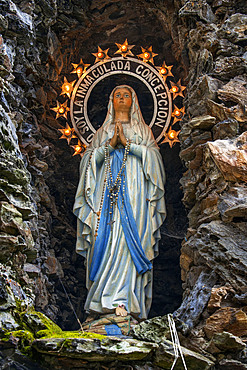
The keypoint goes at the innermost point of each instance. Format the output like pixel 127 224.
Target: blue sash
pixel 128 223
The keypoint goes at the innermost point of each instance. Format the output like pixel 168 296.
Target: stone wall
pixel 206 43
pixel 213 148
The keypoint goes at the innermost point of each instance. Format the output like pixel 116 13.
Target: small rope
pixel 77 318
pixel 175 342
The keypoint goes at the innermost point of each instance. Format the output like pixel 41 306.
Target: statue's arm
pixel 139 149
pixel 100 153
pixel 136 149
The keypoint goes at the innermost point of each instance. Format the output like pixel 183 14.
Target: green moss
pixel 25 342
pixel 22 334
pixel 46 322
pixel 68 335
pixel 48 329
pixel 34 321
pixel 20 305
pixel 36 325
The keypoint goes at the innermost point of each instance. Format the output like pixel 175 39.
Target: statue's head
pixel 122 99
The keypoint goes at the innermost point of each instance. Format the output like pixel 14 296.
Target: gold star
pixel 124 49
pixel 177 89
pixel 178 114
pixel 80 68
pixel 165 71
pixel 101 55
pixel 79 148
pixel 171 137
pixel 68 133
pixel 67 87
pixel 61 109
pixel 147 55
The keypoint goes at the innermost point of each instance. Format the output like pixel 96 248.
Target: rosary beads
pixel 114 186
pixel 97 213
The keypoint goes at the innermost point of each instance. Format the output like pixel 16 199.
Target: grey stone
pixel 203 89
pixel 54 47
pixel 40 56
pixel 7 298
pixel 234 28
pixel 3 23
pixel 196 300
pixel 205 63
pixel 49 8
pixel 219 111
pixel 164 357
pixel 226 48
pixel 198 9
pixel 241 298
pixel 20 23
pixel 233 203
pixel 10 244
pixel 226 129
pixel 153 330
pixel 234 91
pixel 230 157
pixel 202 122
pixel 227 342
pixel 225 243
pixel 108 349
pixel 229 67
pixel 7 321
pixel 10 218
pixel 31 269
pixel 231 365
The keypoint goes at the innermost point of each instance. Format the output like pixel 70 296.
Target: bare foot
pixel 120 311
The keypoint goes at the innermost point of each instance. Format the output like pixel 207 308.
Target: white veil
pixel 142 131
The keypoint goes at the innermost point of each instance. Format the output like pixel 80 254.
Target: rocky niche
pixel 205 41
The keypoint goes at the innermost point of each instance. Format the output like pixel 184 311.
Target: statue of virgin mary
pixel 120 207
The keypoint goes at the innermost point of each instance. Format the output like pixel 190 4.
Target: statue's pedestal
pixel 111 325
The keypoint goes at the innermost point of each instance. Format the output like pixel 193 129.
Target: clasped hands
pixel 118 137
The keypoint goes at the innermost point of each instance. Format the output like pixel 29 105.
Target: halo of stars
pixel 61 109
pixel 101 55
pixel 80 68
pixel 67 87
pixel 165 71
pixel 178 114
pixel 79 148
pixel 147 55
pixel 177 89
pixel 171 137
pixel 125 50
pixel 67 133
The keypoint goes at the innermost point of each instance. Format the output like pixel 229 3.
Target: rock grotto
pixel 200 273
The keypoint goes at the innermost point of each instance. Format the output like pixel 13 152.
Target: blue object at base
pixel 112 330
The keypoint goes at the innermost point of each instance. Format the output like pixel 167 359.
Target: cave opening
pixel 107 23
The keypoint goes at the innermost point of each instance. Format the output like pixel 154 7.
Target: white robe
pixel 118 282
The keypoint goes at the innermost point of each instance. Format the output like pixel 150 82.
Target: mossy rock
pixel 94 350
pixel 42 327
pixel 45 334
pixel 153 330
pixel 35 324
pixel 37 321
pixel 25 340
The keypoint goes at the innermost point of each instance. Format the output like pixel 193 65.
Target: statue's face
pixel 122 100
